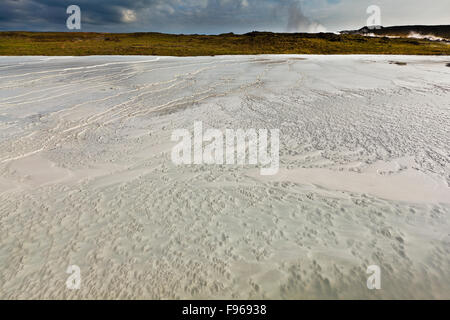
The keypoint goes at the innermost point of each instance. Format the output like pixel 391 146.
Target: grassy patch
pixel 78 44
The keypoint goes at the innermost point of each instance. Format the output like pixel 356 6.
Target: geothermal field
pixel 87 179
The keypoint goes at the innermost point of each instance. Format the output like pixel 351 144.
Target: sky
pixel 217 16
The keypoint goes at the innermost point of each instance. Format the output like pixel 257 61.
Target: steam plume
pixel 298 22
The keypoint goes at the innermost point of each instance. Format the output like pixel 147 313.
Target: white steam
pixel 298 22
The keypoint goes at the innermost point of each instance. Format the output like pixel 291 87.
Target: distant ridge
pixel 442 31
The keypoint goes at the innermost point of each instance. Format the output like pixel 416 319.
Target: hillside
pixel 79 44
pixel 442 31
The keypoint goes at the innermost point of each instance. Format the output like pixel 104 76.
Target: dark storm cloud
pixel 52 13
pixel 116 14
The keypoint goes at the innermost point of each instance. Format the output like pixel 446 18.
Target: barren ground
pixel 86 178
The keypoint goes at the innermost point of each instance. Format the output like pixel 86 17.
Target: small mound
pixel 398 63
